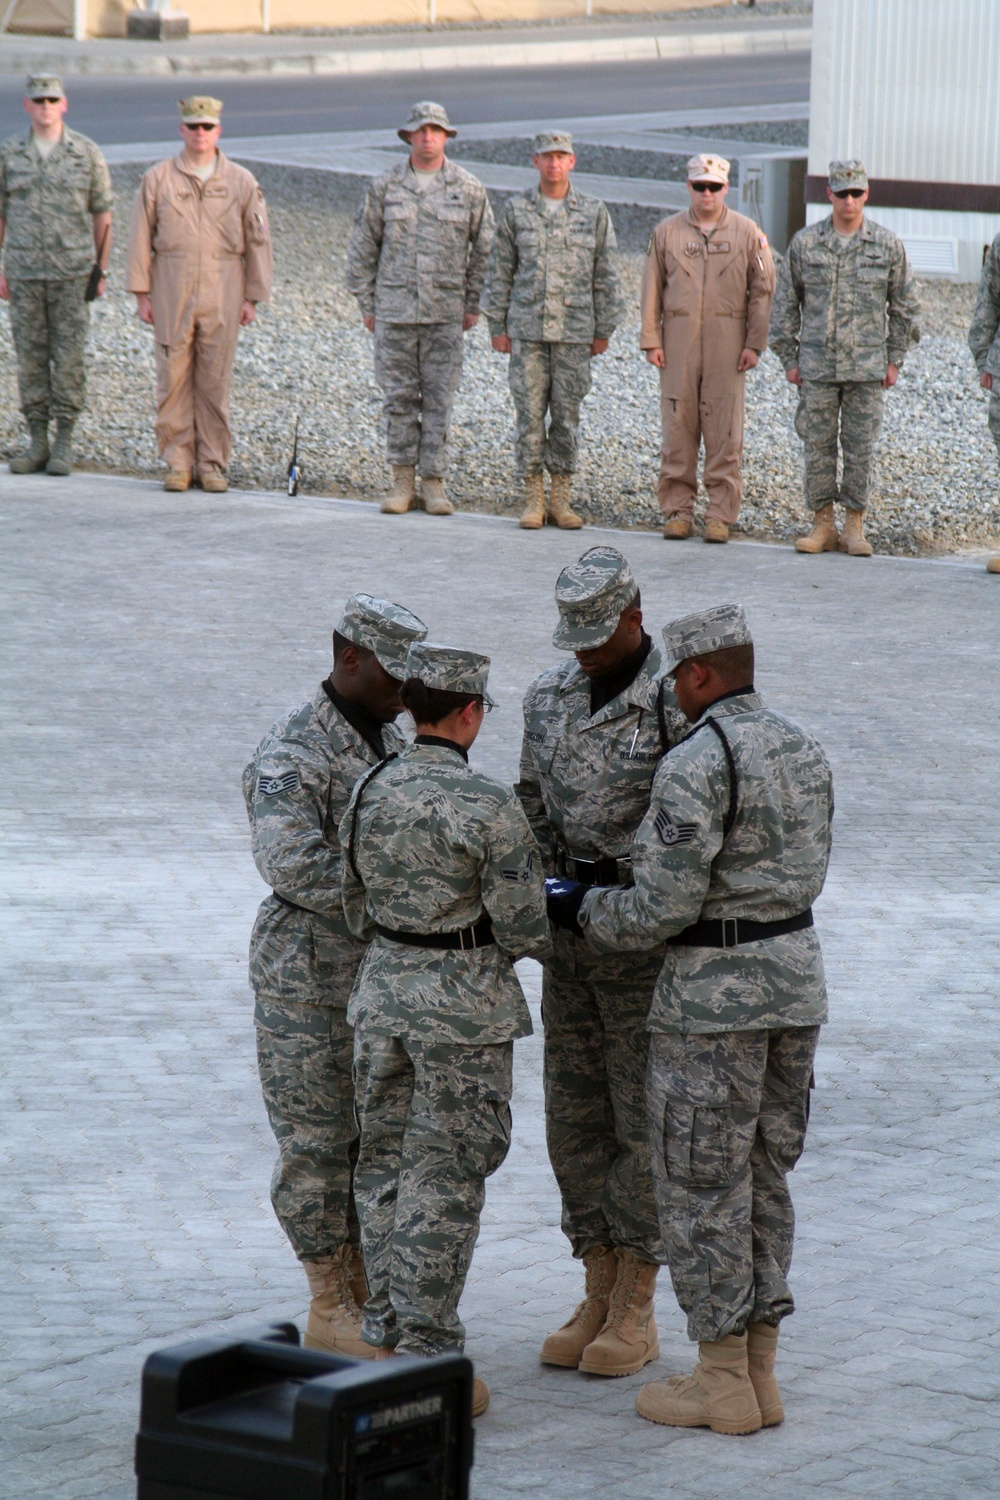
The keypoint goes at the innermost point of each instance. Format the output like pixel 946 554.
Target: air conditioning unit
pixel 773 194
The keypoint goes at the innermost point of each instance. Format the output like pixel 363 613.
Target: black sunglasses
pixel 45 99
pixel 707 187
pixel 198 125
pixel 850 192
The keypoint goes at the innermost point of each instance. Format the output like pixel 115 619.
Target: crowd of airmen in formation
pixel 425 256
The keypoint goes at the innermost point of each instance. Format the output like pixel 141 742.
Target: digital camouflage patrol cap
pixel 847 174
pixel 591 595
pixel 427 113
pixel 708 630
pixel 552 140
pixel 448 669
pixel 44 86
pixel 200 109
pixel 386 630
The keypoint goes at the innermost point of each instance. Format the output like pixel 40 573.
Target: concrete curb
pixel 111 59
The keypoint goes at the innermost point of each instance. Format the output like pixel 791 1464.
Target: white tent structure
pixel 913 88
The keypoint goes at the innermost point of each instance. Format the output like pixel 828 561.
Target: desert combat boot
pixel 561 512
pixel 61 458
pixel 403 495
pixel 334 1316
pixel 824 536
pixel 719 1394
pixel 762 1345
pixel 628 1339
pixel 37 455
pixel 852 539
pixel 533 514
pixel 566 1345
pixel 434 499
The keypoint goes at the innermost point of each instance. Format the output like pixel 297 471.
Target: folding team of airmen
pixel 423 256
pixel 659 855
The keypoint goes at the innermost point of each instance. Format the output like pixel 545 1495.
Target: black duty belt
pixel 606 871
pixel 730 932
pixel 479 935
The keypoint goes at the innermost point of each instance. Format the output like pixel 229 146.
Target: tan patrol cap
pixel 591 595
pixel 552 140
pixel 708 169
pixel 44 86
pixel 427 113
pixel 847 174
pixel 448 669
pixel 708 630
pixel 200 109
pixel 386 630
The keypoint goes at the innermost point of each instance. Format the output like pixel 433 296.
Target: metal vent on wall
pixel 932 257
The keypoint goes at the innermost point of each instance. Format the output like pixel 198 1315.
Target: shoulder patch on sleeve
pixel 763 242
pixel 273 786
pixel 670 833
pixel 521 876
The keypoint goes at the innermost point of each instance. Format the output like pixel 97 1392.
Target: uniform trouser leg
pixel 215 341
pixel 441 346
pixel 175 401
pixel 680 419
pixel 547 380
pixel 596 1125
pixel 418 367
pixel 993 418
pixel 569 384
pixel 728 1116
pixel 397 373
pixel 305 1060
pixel 721 414
pixel 48 323
pixel 860 424
pixel 816 421
pixel 435 1123
pixel 856 407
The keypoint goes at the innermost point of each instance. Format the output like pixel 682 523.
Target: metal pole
pixel 265 15
pixel 79 20
pixel 431 11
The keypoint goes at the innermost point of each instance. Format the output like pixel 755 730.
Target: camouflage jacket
pixel 435 843
pixel 984 330
pixel 296 788
pixel 420 257
pixel 49 205
pixel 554 278
pixel 585 780
pixel 843 313
pixel 772 866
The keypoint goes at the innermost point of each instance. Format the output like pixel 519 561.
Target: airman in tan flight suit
pixel 199 261
pixel 707 289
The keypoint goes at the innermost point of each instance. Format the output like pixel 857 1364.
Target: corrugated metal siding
pixel 910 86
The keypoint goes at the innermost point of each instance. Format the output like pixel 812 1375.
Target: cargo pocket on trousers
pixel 486 1139
pixel 700 1140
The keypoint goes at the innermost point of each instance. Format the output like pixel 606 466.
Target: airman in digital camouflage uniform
pixel 594 731
pixel 55 224
pixel 726 865
pixel 416 264
pixel 984 341
pixel 553 300
pixel 304 958
pixel 845 314
pixel 443 874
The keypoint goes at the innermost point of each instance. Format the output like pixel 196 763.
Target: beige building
pixel 83 18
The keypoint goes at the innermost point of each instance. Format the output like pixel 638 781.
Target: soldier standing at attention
pixel 984 341
pixel 554 299
pixel 842 281
pixel 199 261
pixel 304 959
pixel 707 289
pixel 416 263
pixel 726 865
pixel 55 223
pixel 442 873
pixel 594 732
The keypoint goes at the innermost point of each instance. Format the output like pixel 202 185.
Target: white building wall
pixel 913 88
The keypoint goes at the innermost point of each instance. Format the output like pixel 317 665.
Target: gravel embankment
pixel 308 355
pixel 613 161
pixel 773 132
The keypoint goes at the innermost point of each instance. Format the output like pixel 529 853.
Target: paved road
pixel 123 109
pixel 149 640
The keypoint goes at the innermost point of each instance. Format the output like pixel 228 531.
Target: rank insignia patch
pixel 519 877
pixel 273 786
pixel 670 833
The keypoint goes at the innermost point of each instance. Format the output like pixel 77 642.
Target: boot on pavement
pixel 212 480
pixel 560 512
pixel 992 566
pixel 37 454
pixel 480 1396
pixel 716 531
pixel 433 497
pixel 719 1394
pixel 334 1316
pixel 533 514
pixel 762 1344
pixel 678 528
pixel 852 539
pixel 566 1345
pixel 177 481
pixel 61 457
pixel 628 1339
pixel 403 495
pixel 824 536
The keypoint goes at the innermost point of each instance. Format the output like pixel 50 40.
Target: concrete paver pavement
pixel 150 639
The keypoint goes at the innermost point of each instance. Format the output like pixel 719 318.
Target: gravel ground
pixel 936 480
pixel 611 161
pixel 773 132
